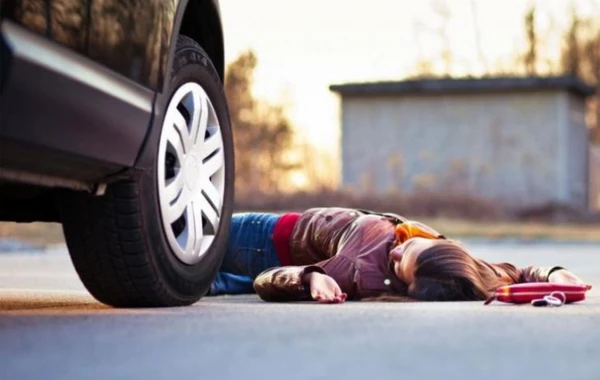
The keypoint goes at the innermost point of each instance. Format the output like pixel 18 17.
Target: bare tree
pixel 477 32
pixel 442 9
pixel 530 58
pixel 571 54
pixel 263 134
pixel 426 67
pixel 580 56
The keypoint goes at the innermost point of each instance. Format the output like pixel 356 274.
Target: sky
pixel 305 46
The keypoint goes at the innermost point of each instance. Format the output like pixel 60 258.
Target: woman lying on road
pixel 334 254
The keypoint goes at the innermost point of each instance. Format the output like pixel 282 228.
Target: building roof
pixel 466 85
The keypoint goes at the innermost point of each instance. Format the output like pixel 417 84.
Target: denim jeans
pixel 250 251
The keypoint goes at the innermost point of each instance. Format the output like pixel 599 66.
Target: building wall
pixel 594 174
pixel 499 146
pixel 578 153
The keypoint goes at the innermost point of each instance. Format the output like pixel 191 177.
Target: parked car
pixel 114 123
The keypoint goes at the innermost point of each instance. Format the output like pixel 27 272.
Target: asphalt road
pixel 50 328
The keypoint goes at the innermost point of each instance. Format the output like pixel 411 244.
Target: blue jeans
pixel 250 251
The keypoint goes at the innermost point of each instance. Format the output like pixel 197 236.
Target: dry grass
pixel 51 233
pixel 447 205
pixel 516 230
pixel 37 233
pixel 454 215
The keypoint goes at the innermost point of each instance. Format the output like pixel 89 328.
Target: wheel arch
pixel 201 21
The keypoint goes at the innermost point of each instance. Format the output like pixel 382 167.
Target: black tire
pixel 117 242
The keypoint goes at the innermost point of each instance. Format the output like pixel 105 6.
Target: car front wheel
pixel 158 239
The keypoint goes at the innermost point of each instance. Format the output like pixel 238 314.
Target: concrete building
pixel 520 141
pixel 595 177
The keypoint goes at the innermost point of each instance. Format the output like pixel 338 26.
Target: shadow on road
pixel 61 304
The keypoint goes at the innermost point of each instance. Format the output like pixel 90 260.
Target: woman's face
pixel 405 257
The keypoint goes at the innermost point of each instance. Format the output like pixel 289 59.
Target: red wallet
pixel 525 293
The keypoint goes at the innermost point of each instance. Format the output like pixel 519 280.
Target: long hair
pixel 446 272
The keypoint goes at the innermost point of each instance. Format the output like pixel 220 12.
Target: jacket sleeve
pixel 513 275
pixel 536 274
pixel 284 283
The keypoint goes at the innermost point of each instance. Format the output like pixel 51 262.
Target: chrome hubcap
pixel 191 173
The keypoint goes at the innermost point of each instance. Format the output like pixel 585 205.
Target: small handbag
pixel 528 292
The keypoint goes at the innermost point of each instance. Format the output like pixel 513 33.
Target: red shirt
pixel 281 237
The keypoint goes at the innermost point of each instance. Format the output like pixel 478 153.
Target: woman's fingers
pixel 325 289
pixel 327 297
pixel 332 300
pixel 330 297
pixel 323 296
pixel 341 298
pixel 324 299
pixel 339 295
pixel 317 296
pixel 336 289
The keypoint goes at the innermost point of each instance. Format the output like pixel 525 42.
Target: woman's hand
pixel 324 289
pixel 563 276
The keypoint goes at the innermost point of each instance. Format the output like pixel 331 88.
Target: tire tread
pixel 109 252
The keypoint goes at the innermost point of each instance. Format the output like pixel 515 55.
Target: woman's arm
pixel 369 235
pixel 328 281
pixel 323 288
pixel 563 276
pixel 537 274
pixel 512 274
pixel 285 283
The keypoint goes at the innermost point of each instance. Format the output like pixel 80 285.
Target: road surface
pixel 50 328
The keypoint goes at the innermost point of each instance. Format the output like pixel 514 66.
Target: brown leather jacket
pixel 351 247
